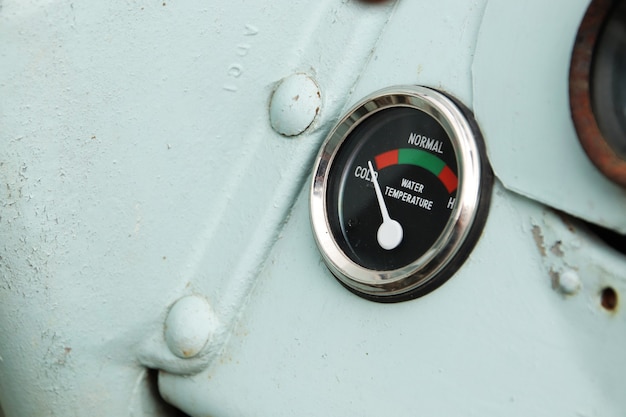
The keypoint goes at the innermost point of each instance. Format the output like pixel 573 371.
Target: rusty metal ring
pixel 591 138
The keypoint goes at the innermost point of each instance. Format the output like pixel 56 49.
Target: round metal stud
pixel 294 104
pixel 189 326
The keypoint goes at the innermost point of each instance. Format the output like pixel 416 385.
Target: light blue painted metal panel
pixel 523 108
pixel 494 340
pixel 139 166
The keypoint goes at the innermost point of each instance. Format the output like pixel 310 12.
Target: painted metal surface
pixel 494 340
pixel 139 166
pixel 523 109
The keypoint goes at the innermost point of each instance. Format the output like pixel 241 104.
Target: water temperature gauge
pixel 400 193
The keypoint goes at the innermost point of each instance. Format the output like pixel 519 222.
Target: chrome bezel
pixel 424 269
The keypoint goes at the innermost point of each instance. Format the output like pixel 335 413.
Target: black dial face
pixel 391 222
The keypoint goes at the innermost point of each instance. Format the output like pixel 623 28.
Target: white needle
pixel 390 232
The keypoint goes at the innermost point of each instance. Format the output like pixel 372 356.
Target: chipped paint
pixel 538 238
pixel 138 132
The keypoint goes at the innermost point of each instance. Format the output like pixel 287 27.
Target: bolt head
pixel 294 104
pixel 569 282
pixel 189 326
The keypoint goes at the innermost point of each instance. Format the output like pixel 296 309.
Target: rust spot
pixel 589 134
pixel 296 98
pixel 538 237
pixel 609 299
pixel 68 350
pixel 554 279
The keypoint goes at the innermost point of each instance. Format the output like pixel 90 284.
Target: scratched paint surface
pixel 138 165
pixel 499 338
pixel 495 340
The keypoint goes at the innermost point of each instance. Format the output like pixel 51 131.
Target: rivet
pixel 189 326
pixel 294 104
pixel 569 282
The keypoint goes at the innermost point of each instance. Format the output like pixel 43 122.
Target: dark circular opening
pixel 608 298
pixel 608 79
pixel 597 87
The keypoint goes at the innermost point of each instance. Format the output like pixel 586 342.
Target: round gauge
pixel 597 87
pixel 400 193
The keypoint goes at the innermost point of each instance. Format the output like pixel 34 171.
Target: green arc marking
pixel 420 158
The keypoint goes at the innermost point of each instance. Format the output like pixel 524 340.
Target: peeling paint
pixel 556 249
pixel 538 238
